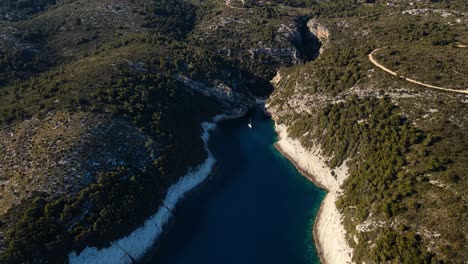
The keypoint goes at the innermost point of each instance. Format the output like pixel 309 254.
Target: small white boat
pixel 250 123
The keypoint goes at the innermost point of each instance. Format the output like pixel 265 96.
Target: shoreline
pixel 319 213
pixel 301 170
pixel 327 229
pixel 328 232
pixel 135 246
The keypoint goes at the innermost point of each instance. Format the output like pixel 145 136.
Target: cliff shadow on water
pixel 255 207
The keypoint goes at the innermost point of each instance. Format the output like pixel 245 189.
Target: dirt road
pixel 372 59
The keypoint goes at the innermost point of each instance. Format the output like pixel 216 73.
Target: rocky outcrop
pixel 319 31
pixel 264 48
pixel 61 153
pixel 305 44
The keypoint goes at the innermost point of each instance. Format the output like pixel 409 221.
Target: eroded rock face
pixel 284 42
pixel 62 152
pixel 226 96
pixel 319 31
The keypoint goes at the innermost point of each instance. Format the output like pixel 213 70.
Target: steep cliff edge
pixel 340 111
pixel 320 32
pixel 329 233
pixel 74 72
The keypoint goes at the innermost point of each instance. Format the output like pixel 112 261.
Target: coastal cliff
pixel 83 83
pixel 76 72
pixel 329 233
pixel 340 111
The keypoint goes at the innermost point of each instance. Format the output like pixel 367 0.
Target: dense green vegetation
pixel 346 8
pixel 405 157
pixel 444 66
pixel 47 230
pixel 158 106
pixel 390 161
pixel 384 138
pixel 372 8
pixel 21 63
pixel 129 75
pixel 128 68
pixel 175 17
pixel 122 199
pixel 338 70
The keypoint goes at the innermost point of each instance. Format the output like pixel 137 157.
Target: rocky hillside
pixel 101 104
pixel 59 154
pixel 404 144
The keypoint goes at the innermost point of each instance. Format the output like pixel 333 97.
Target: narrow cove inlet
pixel 255 207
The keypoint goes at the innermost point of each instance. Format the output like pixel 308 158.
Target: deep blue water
pixel 255 207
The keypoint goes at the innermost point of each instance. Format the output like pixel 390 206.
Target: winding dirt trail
pixel 376 63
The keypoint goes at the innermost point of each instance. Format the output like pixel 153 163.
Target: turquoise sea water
pixel 254 208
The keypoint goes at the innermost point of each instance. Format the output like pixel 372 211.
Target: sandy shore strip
pixel 133 247
pixel 329 233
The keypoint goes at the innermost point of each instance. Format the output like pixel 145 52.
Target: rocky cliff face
pixel 259 45
pixel 320 32
pixel 14 10
pixel 345 109
pixel 316 39
pixel 61 153
pixel 110 100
